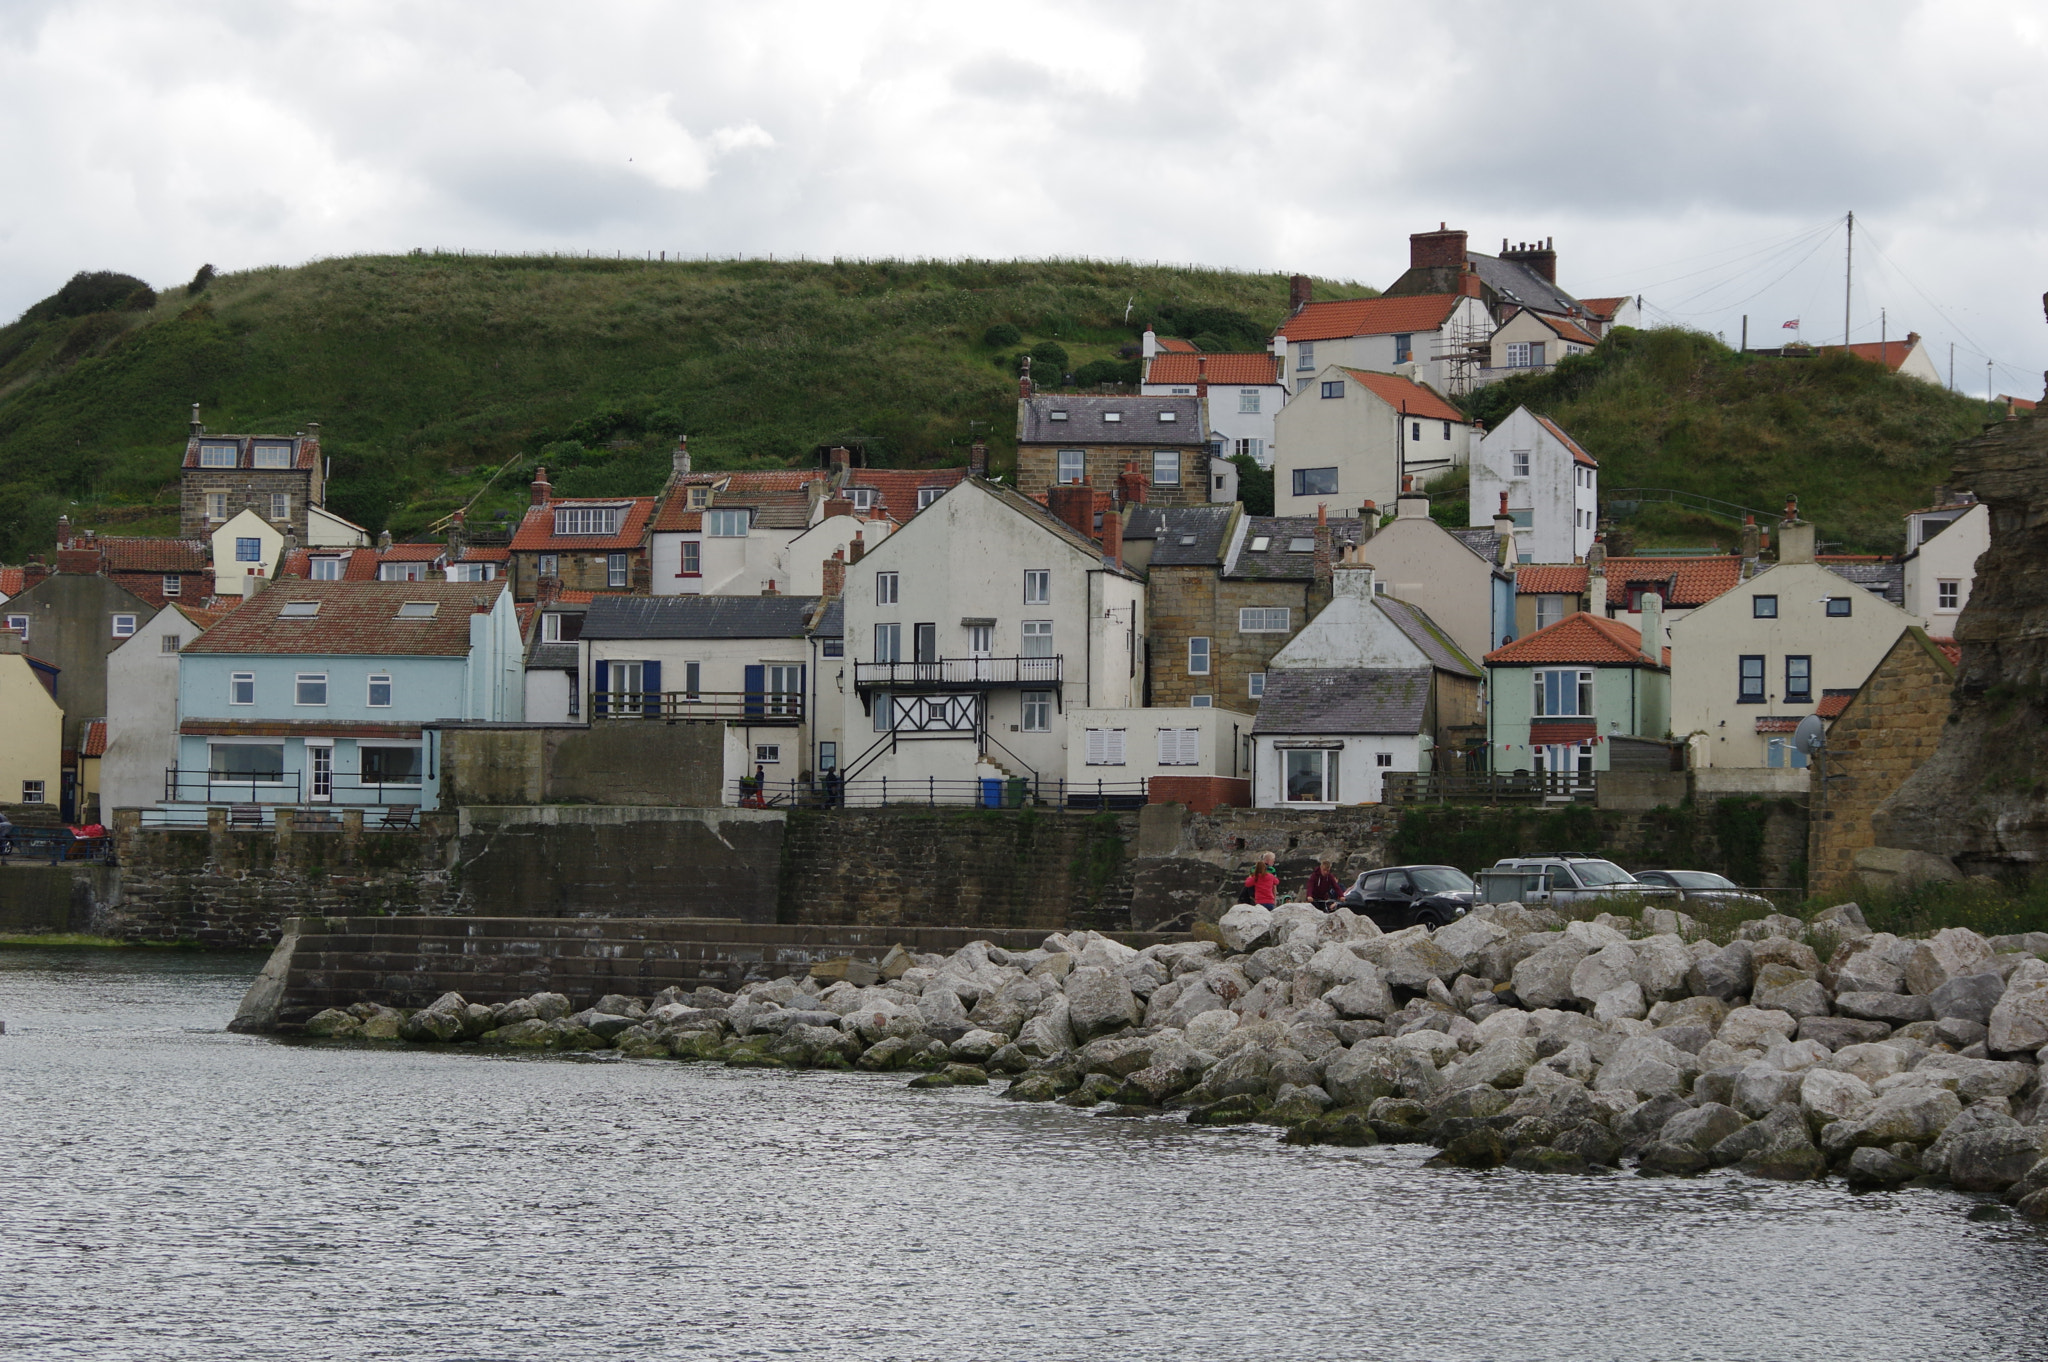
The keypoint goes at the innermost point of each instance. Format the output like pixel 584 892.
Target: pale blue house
pixel 319 693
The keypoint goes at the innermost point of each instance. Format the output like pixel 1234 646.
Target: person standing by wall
pixel 1323 887
pixel 1262 885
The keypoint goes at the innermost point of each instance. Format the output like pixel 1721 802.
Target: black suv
pixel 1403 895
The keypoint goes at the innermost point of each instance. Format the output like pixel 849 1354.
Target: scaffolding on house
pixel 1464 344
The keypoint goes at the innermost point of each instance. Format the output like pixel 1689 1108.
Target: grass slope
pixel 428 372
pixel 1857 444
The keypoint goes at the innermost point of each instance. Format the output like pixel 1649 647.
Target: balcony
pixel 960 673
pixel 183 786
pixel 757 707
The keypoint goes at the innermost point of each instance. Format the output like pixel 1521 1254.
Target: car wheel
pixel 1436 918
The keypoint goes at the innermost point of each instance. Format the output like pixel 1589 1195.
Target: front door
pixel 321 760
pixel 925 642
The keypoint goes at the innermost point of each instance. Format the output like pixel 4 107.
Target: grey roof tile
pixel 1344 700
pixel 1517 283
pixel 623 617
pixel 1879 579
pixel 1084 423
pixel 832 623
pixel 553 657
pixel 1483 540
pixel 1424 632
pixel 1182 535
pixel 1275 561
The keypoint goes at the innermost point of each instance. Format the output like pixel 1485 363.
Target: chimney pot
pixel 681 458
pixel 977 460
pixel 197 429
pixel 1300 291
pixel 855 549
pixel 543 490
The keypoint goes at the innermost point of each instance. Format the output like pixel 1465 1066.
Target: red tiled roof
pixel 1590 639
pixel 11 581
pixel 1174 345
pixel 677 518
pixel 1539 581
pixel 359 618
pixel 1832 705
pixel 1950 649
pixel 1578 455
pixel 896 488
pixel 1368 317
pixel 537 530
pixel 94 741
pixel 1412 399
pixel 1571 331
pixel 1891 354
pixel 412 553
pixel 2018 403
pixel 472 554
pixel 136 554
pixel 1238 368
pixel 205 619
pixel 82 561
pixel 749 481
pixel 584 597
pixel 1603 308
pixel 1779 723
pixel 358 565
pixel 148 585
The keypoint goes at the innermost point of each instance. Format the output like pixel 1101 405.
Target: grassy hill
pixel 1856 444
pixel 432 374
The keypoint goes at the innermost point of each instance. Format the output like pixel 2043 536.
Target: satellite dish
pixel 1811 735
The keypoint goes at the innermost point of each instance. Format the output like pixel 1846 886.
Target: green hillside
pixel 430 372
pixel 1856 444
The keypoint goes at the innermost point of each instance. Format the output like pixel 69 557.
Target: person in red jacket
pixel 1262 884
pixel 1323 887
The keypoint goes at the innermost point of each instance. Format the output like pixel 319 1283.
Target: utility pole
pixel 1884 343
pixel 1848 276
pixel 1951 366
pixel 1745 333
pixel 1987 380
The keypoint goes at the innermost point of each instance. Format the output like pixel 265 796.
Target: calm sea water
pixel 171 1191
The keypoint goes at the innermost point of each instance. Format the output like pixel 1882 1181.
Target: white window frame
pixel 1520 458
pixel 981 640
pixel 1305 357
pixel 1037 711
pixel 888 643
pixel 370 685
pixel 618 569
pixel 927 495
pixel 1180 746
pixel 1255 687
pixel 767 753
pixel 551 627
pixel 1248 401
pixel 1166 468
pixel 218 456
pixel 300 681
pixel 862 498
pixel 1327 771
pixel 271 456
pixel 171 643
pixel 324 569
pixel 1035 639
pixel 1038 586
pixel 174 585
pixel 217 507
pixel 690 558
pixel 719 520
pixel 237 681
pixel 1198 655
pixel 32 792
pixel 586 522
pixel 1264 619
pixel 888 588
pixel 1104 747
pixel 1948 595
pixel 280 505
pixel 1201 702
pixel 18 624
pixel 1070 467
pixel 124 626
pixel 1582 690
pixel 1549 609
pixel 549 565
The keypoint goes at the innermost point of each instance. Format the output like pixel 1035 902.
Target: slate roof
pixel 1275 563
pixel 1581 638
pixel 1182 535
pixel 305 452
pixel 553 657
pixel 1084 423
pixel 1483 540
pixel 537 530
pixel 1344 700
pixel 1517 283
pixel 1368 317
pixel 1424 633
pixel 1578 455
pixel 1409 398
pixel 1879 579
pixel 355 619
pixel 135 554
pixel 832 623
pixel 1236 369
pixel 685 617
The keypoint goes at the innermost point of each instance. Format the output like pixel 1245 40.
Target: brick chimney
pixel 1443 248
pixel 839 505
pixel 977 460
pixel 547 591
pixel 1131 485
pixel 1539 256
pixel 1024 378
pixel 1323 558
pixel 1300 292
pixel 681 458
pixel 543 490
pixel 834 581
pixel 1504 530
pixel 1202 377
pixel 855 549
pixel 839 458
pixel 1468 281
pixel 63 531
pixel 1074 503
pixel 35 570
pixel 1112 538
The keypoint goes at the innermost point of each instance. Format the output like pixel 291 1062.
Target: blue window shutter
pixel 650 681
pixel 757 688
pixel 604 683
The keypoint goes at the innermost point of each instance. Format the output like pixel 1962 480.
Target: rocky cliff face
pixel 1982 799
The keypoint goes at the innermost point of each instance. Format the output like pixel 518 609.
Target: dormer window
pixel 730 524
pixel 419 610
pixel 927 495
pixel 862 497
pixel 299 610
pixel 273 456
pixel 585 521
pixel 216 456
pixel 700 497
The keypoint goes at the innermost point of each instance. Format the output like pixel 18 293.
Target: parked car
pixel 1404 895
pixel 1706 888
pixel 1565 878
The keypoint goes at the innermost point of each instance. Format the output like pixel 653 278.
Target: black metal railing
pixel 288 787
pixel 752 706
pixel 989 792
pixel 1537 787
pixel 967 673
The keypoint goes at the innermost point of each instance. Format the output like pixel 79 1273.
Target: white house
pixel 1370 686
pixel 1532 342
pixel 326 530
pixel 727 534
pixel 1943 544
pixel 1244 392
pixel 142 707
pixel 1907 357
pixel 1118 746
pixel 1552 487
pixel 1747 665
pixel 245 545
pixel 1426 338
pixel 1358 436
pixel 974 630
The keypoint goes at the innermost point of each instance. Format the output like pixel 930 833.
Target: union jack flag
pixel 1792 325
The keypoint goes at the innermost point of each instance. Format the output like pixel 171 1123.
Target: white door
pixel 321 760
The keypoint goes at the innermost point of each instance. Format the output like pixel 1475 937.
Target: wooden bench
pixel 400 817
pixel 245 815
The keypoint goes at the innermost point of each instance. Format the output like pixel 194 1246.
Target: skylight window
pixel 419 610
pixel 1186 540
pixel 299 610
pixel 1302 543
pixel 1056 416
pixel 1169 416
pixel 1262 543
pixel 1112 416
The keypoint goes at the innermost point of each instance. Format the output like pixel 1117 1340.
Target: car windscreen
pixel 1441 879
pixel 1700 879
pixel 1597 874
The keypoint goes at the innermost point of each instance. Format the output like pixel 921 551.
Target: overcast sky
pixel 1695 154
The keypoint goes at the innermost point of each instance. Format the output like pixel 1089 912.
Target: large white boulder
pixel 1245 926
pixel 2020 1021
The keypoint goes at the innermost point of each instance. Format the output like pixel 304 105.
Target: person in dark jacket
pixel 1323 887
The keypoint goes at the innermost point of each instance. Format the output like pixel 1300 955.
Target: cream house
pixel 1551 486
pixel 973 632
pixel 1532 342
pixel 1354 436
pixel 1749 664
pixel 246 545
pixel 1943 544
pixel 142 708
pixel 31 745
pixel 1118 746
pixel 1455 576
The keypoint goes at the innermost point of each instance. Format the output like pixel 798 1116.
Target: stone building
pixel 1883 735
pixel 586 544
pixel 1066 439
pixel 277 476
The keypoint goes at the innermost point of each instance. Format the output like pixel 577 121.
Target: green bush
pixel 1002 336
pixel 201 277
pixel 1107 371
pixel 1048 361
